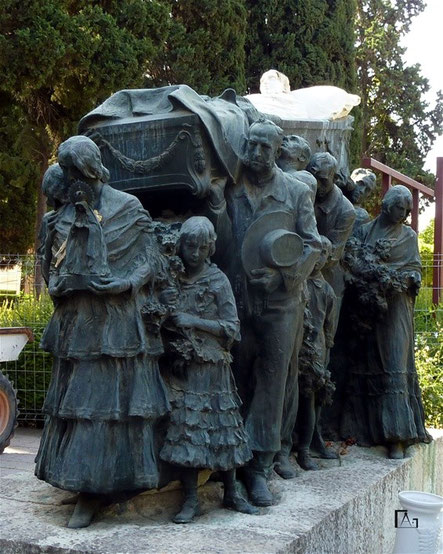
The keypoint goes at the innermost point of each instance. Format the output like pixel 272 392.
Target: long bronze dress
pixel 106 394
pixel 383 401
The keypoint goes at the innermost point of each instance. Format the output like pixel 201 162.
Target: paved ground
pixel 20 454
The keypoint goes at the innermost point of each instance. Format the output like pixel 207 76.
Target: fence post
pixel 386 182
pixel 437 282
pixel 414 212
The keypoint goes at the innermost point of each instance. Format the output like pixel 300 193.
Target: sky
pixel 423 44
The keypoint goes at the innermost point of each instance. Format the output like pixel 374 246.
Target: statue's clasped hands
pixel 59 287
pixel 109 285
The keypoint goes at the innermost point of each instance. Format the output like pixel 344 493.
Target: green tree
pixel 59 59
pixel 399 126
pixel 426 246
pixel 310 41
pixel 205 47
pixel 18 175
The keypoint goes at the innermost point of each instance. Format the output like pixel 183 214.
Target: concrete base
pixel 348 507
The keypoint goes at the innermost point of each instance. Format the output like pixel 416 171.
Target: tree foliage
pixel 399 126
pixel 205 46
pixel 426 245
pixel 18 177
pixel 58 59
pixel 310 41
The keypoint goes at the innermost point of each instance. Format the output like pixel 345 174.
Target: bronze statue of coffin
pixel 165 145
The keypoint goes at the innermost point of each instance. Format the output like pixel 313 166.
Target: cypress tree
pixel 205 48
pixel 399 124
pixel 58 60
pixel 311 41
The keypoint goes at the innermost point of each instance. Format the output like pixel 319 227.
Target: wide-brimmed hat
pixel 269 242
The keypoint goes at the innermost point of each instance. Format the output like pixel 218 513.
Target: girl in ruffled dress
pixel 206 429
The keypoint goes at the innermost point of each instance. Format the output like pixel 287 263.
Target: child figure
pixel 315 384
pixel 55 189
pixel 206 429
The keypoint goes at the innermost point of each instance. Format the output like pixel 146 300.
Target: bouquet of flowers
pixel 370 281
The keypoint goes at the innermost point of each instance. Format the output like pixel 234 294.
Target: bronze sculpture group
pixel 142 388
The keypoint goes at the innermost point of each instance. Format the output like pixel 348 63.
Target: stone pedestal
pixel 347 507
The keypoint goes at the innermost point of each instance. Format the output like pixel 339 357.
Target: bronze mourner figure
pixel 274 245
pixel 106 394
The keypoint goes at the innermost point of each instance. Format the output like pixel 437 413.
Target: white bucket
pixel 419 524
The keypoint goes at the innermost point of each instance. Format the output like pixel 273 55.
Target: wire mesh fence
pixel 24 302
pixel 426 312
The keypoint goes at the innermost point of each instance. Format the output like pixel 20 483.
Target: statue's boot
pixel 239 504
pixel 327 453
pixel 190 509
pixel 255 479
pixel 85 509
pixel 191 506
pixel 283 466
pixel 323 451
pixel 318 444
pixel 232 497
pixel 396 451
pixel 257 487
pixel 305 461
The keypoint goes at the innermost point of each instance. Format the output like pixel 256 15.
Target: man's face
pixel 324 172
pixel 292 152
pixel 262 147
pixel 360 192
pixel 325 255
pixel 325 183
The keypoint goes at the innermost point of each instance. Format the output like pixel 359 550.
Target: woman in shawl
pixel 106 393
pixel 383 405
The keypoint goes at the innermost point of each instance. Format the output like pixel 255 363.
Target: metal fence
pixel 25 303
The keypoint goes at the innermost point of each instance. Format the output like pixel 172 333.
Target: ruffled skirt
pixel 99 430
pixel 206 429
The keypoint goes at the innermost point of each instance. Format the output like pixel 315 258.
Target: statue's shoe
pixel 257 487
pixel 284 468
pixel 84 511
pixel 239 504
pixel 305 461
pixel 190 509
pixel 327 454
pixel 396 451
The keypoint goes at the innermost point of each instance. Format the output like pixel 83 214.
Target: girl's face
pixel 193 252
pixel 399 210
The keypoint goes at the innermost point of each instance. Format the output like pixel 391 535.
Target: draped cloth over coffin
pixel 226 118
